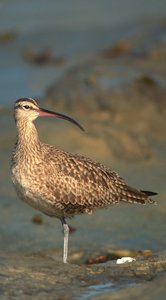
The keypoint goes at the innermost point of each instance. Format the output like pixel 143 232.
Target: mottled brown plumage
pixel 58 183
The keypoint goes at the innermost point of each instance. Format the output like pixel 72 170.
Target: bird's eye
pixel 26 107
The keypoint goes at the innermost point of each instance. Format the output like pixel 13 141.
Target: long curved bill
pixel 47 113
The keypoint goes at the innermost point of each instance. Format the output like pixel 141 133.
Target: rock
pixel 121 100
pixel 40 275
pixel 124 117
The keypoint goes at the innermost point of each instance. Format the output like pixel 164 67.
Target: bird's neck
pixel 27 137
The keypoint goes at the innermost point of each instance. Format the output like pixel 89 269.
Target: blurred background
pixel 39 39
pixel 103 63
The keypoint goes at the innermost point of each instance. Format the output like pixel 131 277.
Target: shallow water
pixel 97 289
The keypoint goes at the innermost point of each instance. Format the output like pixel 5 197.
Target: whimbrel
pixel 58 183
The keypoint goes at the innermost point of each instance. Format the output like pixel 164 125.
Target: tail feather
pixel 132 195
pixel 149 193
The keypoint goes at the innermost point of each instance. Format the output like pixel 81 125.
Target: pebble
pixel 124 260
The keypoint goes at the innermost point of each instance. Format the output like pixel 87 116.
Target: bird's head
pixel 27 109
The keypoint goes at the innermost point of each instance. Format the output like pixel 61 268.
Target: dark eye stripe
pixel 18 106
pixel 24 106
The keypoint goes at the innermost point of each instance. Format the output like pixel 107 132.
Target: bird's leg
pixel 66 239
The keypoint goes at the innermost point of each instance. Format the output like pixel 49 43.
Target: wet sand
pixel 42 276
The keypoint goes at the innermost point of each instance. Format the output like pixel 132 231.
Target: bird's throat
pixel 27 137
